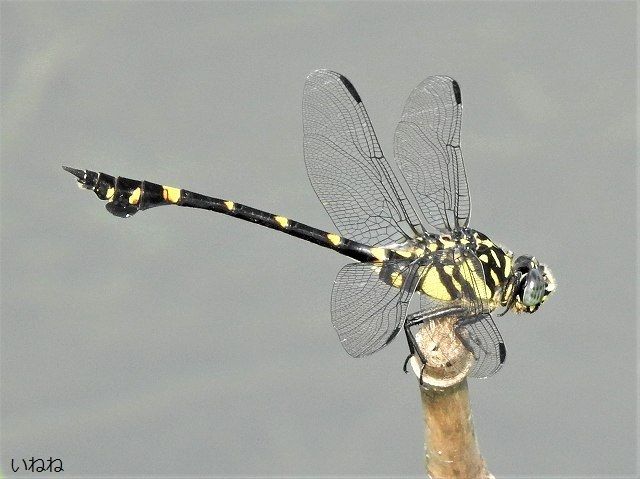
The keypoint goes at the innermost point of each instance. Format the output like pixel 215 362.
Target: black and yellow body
pixel 126 196
pixel 386 217
pixel 445 282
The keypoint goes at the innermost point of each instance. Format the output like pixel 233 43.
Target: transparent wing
pixel 462 279
pixel 369 303
pixel 482 334
pixel 427 149
pixel 489 351
pixel 347 169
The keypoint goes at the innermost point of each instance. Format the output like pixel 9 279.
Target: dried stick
pixel 451 449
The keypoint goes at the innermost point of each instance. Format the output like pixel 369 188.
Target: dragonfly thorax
pixel 451 262
pixel 459 272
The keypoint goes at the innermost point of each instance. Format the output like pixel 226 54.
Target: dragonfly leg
pixel 411 341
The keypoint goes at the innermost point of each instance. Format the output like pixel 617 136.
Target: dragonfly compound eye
pixel 533 288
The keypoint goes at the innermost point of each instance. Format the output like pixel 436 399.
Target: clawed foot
pixel 406 363
pixel 424 366
pixel 406 370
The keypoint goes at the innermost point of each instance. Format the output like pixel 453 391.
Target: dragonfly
pixel 406 224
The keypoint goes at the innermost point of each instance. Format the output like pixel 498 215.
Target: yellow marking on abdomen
pixel 110 192
pixel 484 258
pixel 335 239
pixel 230 205
pixel 403 252
pixel 135 196
pixel 432 247
pixel 379 253
pixel 282 221
pixel 171 194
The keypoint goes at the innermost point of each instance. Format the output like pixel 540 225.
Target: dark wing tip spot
pixel 456 91
pixel 350 88
pixel 503 353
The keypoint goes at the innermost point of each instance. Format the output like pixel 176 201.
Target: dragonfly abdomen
pixel 126 196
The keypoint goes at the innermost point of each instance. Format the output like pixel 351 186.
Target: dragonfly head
pixel 529 286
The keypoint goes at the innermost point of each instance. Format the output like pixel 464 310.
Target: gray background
pixel 184 342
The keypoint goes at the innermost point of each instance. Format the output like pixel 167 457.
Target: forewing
pixel 369 303
pixel 427 149
pixel 347 169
